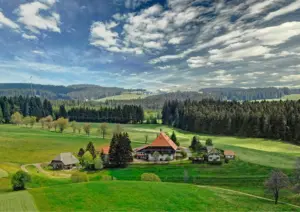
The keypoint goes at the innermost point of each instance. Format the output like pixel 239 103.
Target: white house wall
pixel 161 157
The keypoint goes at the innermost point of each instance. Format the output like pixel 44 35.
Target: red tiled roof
pixel 163 141
pixel 105 150
pixel 229 152
pixel 140 148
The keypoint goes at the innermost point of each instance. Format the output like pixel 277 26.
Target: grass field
pixel 26 145
pixel 256 158
pixel 17 201
pixel 146 196
pixel 124 96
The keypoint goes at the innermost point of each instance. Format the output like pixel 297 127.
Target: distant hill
pixel 53 92
pixel 250 94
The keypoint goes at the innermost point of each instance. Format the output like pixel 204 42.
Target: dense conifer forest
pixel 275 120
pixel 34 106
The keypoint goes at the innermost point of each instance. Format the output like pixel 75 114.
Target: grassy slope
pixel 17 201
pixel 124 96
pixel 25 145
pixel 141 196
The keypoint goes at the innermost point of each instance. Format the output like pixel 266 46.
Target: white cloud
pixel 29 37
pixel 197 62
pixel 4 21
pixel 260 7
pixel 285 10
pixel 38 52
pixel 29 15
pixel 176 40
pixel 102 36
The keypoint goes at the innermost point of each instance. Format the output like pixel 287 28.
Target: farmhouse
pixel 64 161
pixel 228 154
pixel 214 155
pixel 162 144
pixel 105 153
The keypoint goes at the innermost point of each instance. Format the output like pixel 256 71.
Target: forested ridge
pixel 274 120
pixel 34 106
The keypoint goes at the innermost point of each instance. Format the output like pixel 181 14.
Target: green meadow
pixel 146 196
pixel 256 158
pixel 124 96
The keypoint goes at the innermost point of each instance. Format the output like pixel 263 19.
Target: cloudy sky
pixel 152 44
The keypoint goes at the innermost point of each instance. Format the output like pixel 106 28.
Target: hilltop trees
pixel 120 151
pixel 277 181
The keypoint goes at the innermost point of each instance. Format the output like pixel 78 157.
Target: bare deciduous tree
pixel 277 181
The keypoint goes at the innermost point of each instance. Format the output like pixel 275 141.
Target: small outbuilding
pixel 64 160
pixel 228 154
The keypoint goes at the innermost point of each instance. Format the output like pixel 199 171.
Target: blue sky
pixel 153 44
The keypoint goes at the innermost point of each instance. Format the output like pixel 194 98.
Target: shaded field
pixel 17 201
pixel 141 196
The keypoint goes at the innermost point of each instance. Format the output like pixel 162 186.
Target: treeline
pixel 250 94
pixel 156 102
pixel 32 106
pixel 274 120
pixel 125 114
pixel 35 107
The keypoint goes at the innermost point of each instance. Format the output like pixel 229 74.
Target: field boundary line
pixel 246 194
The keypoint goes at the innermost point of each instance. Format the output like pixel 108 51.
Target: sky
pixel 165 45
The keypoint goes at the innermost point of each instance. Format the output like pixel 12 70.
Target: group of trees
pixel 196 143
pixel 275 120
pixel 125 114
pixel 120 151
pixel 26 106
pixel 89 158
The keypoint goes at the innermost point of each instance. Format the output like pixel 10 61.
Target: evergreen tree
pixel 90 147
pixel 80 152
pixel 62 112
pixel 174 139
pixel 120 150
pixel 98 163
pixel 1 116
pixel 194 142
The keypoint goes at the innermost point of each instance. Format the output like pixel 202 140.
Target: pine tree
pixel 1 116
pixel 62 112
pixel 174 139
pixel 194 142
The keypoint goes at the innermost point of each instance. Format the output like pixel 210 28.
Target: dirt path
pixel 246 194
pixel 41 170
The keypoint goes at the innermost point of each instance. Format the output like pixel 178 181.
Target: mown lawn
pixel 146 196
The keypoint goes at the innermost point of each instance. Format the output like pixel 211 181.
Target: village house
pixel 228 154
pixel 162 144
pixel 64 160
pixel 214 155
pixel 104 151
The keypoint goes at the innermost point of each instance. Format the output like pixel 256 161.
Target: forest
pixel 274 120
pixel 34 106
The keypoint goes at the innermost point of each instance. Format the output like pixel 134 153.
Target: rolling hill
pixel 53 92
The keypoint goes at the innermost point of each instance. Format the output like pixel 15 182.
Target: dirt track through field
pixel 246 194
pixel 41 170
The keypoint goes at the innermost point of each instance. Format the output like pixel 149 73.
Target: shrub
pixel 168 158
pixel 19 180
pixel 78 177
pixel 150 177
